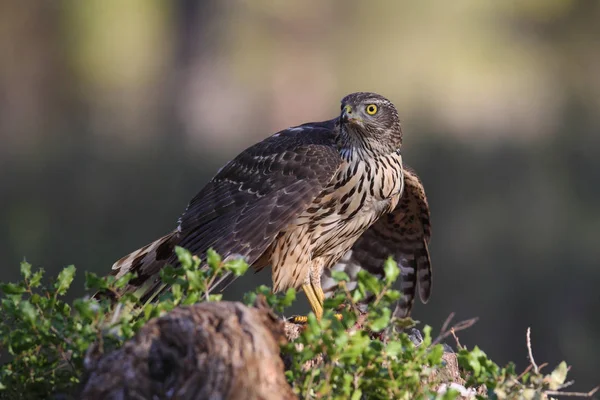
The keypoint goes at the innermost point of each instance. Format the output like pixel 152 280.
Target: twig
pixel 447 322
pixel 535 367
pixel 566 385
pixel 458 345
pixel 355 309
pixel 310 382
pixel 456 328
pixel 524 372
pixel 116 314
pixel 212 279
pixel 572 394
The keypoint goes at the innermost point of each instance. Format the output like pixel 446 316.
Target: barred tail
pixel 150 258
pixel 408 286
pixel 415 271
pixel 146 263
pixel 424 275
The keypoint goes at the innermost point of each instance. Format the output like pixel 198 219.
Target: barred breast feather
pixel 404 233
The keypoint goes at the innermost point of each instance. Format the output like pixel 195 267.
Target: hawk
pixel 306 199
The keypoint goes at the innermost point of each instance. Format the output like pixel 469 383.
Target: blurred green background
pixel 114 114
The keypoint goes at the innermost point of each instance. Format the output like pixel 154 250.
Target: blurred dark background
pixel 114 114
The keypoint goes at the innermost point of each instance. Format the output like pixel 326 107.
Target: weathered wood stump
pixel 221 350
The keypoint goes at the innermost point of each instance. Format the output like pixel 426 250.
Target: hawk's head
pixel 371 121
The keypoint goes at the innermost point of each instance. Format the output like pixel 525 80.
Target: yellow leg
pixel 316 298
pixel 319 292
pixel 321 296
pixel 313 298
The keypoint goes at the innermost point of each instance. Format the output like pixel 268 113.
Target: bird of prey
pixel 306 199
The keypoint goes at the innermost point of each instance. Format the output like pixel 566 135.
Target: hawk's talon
pixel 303 319
pixel 313 295
pixel 298 319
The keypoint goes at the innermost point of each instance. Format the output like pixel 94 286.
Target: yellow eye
pixel 371 109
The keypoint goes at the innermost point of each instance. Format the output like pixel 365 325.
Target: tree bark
pixel 216 350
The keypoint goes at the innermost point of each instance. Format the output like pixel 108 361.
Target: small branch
pixel 458 345
pixel 524 372
pixel 116 314
pixel 342 284
pixel 447 322
pixel 459 326
pixel 572 394
pixel 535 367
pixel 566 385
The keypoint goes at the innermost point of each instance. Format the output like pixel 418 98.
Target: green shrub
pixel 47 338
pixel 359 356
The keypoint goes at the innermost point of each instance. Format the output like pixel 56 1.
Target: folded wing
pixel 250 200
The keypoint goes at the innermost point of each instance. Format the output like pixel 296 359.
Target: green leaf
pixel 191 298
pixel 124 280
pixel 356 395
pixel 530 394
pixel 238 266
pixel 12 288
pixel 339 276
pixel 451 394
pixel 426 335
pixel 25 269
pixel 94 282
pixel 404 323
pixel 558 376
pixel 195 280
pixel 35 299
pixel 85 308
pixel 36 279
pixel 475 366
pixel 250 298
pixel 391 296
pixel 288 298
pixel 150 311
pixel 334 302
pixel 356 345
pixel 369 282
pixel 341 340
pixel 358 294
pixel 168 274
pixel 28 312
pixel 394 348
pixel 64 280
pixel 213 259
pixel 379 320
pixel 435 354
pixel 391 270
pixel 184 256
pixel 177 291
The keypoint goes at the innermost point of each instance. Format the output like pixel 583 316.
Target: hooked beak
pixel 349 116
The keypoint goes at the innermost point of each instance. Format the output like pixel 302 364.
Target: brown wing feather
pixel 251 199
pixel 403 234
